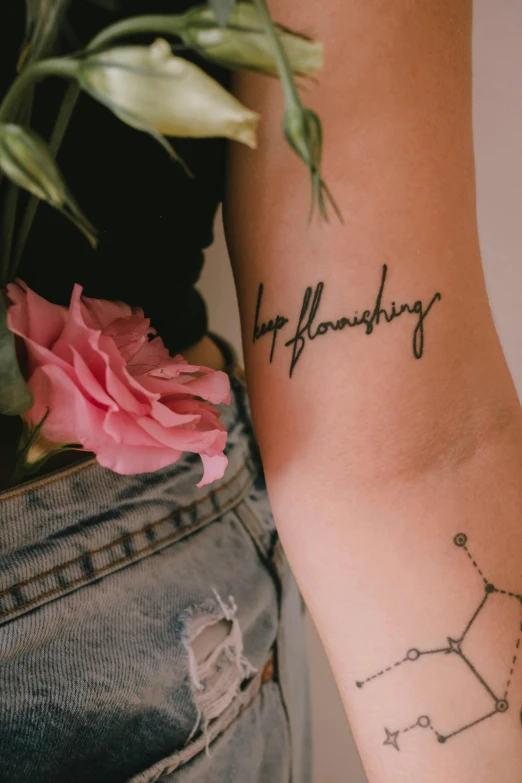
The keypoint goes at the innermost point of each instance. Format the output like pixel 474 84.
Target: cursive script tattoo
pixel 274 325
pixel 495 686
pixel 309 327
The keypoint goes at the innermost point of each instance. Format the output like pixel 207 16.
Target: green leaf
pixel 222 10
pixel 15 397
pixel 60 127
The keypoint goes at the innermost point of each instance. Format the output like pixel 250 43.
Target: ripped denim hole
pixel 217 664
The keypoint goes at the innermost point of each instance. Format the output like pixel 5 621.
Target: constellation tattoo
pixel 454 647
pixel 308 326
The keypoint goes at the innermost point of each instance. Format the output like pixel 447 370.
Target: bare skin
pixel 376 458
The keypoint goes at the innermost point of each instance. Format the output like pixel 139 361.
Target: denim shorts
pixel 151 630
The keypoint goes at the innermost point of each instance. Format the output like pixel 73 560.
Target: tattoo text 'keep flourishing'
pixel 309 327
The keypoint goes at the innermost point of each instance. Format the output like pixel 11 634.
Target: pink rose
pixel 112 388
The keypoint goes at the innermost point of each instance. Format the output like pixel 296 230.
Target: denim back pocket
pixel 137 617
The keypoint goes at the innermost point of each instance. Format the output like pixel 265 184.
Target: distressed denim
pixel 151 630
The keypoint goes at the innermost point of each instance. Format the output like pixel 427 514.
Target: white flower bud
pixel 152 90
pixel 26 160
pixel 243 43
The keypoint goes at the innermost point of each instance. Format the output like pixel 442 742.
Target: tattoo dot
pixel 413 654
pixel 359 684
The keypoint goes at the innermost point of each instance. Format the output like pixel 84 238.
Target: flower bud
pixel 303 132
pixel 39 447
pixel 26 160
pixel 302 129
pixel 244 44
pixel 154 91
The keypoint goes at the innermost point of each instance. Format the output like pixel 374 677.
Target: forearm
pixel 385 435
pixel 396 102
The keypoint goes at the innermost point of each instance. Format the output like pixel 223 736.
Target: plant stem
pixel 18 473
pixel 140 24
pixel 278 50
pixel 60 127
pixel 137 25
pixel 7 224
pixel 9 111
pixel 54 66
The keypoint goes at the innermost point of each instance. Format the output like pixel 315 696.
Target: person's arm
pixel 392 439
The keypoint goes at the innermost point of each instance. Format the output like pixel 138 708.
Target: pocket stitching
pixel 95 574
pixel 215 730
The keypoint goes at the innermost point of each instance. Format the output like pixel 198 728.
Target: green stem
pixel 19 472
pixel 9 109
pixel 278 50
pixel 138 25
pixel 15 397
pixel 22 468
pixel 55 66
pixel 58 133
pixel 10 205
pixel 7 224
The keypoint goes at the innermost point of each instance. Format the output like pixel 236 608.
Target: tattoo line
pixel 308 330
pixel 454 646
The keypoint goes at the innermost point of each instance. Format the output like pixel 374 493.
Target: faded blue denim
pixel 105 583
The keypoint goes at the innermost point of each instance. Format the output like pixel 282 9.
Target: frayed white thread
pixel 215 680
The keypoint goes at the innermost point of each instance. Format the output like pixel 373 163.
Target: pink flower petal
pixel 33 317
pixel 208 415
pixel 180 438
pixel 213 386
pixel 150 356
pixel 126 429
pixel 88 382
pixel 129 335
pixel 71 418
pixel 129 460
pixel 100 313
pixel 114 391
pixel 169 418
pixel 213 468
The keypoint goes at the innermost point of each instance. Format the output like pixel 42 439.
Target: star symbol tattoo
pixel 392 738
pixel 454 645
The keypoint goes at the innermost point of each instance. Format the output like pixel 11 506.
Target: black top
pixel 153 221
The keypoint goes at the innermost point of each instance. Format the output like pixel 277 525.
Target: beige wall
pixel 498 140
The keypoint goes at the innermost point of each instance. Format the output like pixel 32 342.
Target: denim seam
pixel 44 481
pixel 178 534
pixel 250 521
pixel 178 759
pixel 275 564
